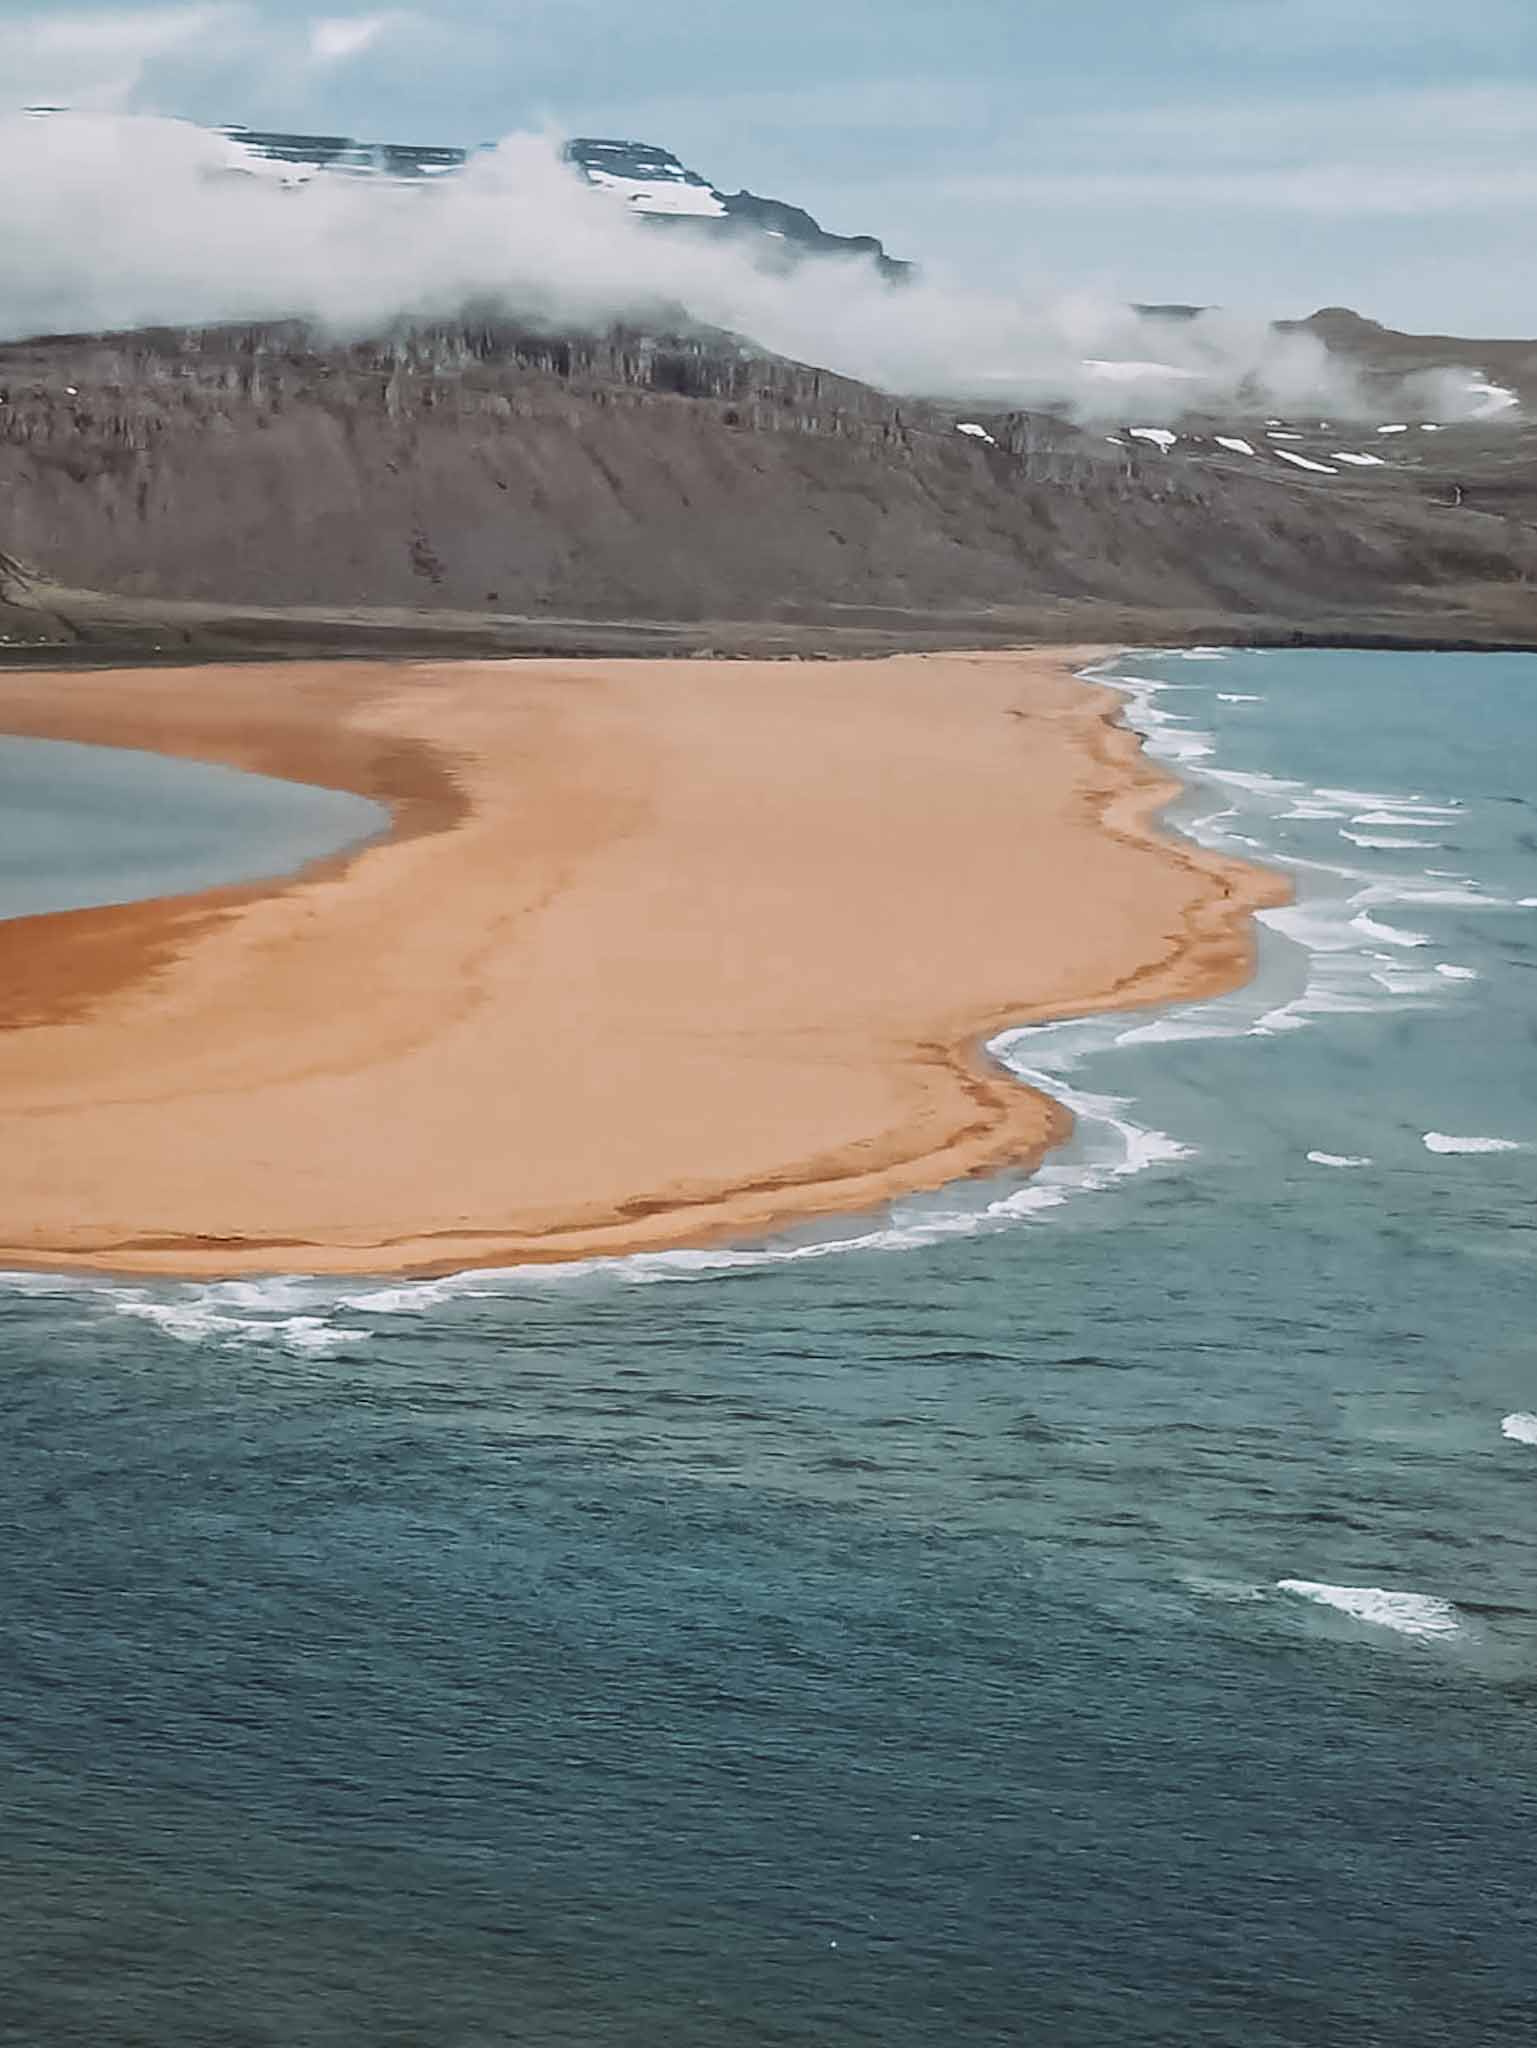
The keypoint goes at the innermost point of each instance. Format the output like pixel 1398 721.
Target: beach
pixel 657 953
pixel 719 1644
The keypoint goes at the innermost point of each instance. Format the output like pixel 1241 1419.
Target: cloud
pixel 337 38
pixel 1152 149
pixel 148 59
pixel 518 232
pixel 97 59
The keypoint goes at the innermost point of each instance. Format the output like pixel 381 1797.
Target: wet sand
pixel 658 952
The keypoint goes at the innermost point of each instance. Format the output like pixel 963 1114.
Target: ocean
pixel 1098 1608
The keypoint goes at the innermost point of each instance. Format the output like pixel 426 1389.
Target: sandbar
pixel 657 953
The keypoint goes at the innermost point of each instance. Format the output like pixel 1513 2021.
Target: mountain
pixel 1388 353
pixel 648 180
pixel 473 485
pixel 654 183
pixel 479 484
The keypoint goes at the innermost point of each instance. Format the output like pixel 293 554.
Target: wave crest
pixel 1408 1614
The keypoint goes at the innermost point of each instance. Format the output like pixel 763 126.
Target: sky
pixel 1267 156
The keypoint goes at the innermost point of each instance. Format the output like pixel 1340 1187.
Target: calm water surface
pixel 1099 1610
pixel 82 825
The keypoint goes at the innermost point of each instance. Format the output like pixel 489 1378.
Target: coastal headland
pixel 657 952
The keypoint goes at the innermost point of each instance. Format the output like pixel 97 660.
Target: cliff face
pixel 481 468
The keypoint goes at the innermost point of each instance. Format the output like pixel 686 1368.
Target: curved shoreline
pixel 167 991
pixel 71 967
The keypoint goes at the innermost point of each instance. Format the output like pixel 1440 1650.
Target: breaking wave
pixel 1408 1614
pixel 1380 843
pixel 198 1318
pixel 296 1312
pixel 1442 1141
pixel 1352 962
pixel 1387 934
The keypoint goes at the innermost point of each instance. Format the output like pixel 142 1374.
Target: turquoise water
pixel 81 825
pixel 1091 1610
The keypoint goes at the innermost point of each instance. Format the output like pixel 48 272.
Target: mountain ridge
pixel 507 484
pixel 479 471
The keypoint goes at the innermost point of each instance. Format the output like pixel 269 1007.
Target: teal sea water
pixel 1096 1609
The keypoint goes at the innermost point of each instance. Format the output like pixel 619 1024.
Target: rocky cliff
pixel 480 470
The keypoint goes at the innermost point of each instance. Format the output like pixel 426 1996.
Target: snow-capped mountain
pixel 654 182
pixel 296 159
pixel 649 180
pixel 644 178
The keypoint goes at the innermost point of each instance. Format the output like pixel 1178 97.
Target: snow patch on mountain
pixel 648 179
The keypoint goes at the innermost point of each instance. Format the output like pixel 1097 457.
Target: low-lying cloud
pixel 114 223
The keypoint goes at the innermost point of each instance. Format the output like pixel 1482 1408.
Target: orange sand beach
pixel 658 952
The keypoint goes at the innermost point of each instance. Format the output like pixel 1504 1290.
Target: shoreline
pixel 339 1132
pixel 183 634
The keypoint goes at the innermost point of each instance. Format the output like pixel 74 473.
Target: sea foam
pixel 1521 1429
pixel 1387 934
pixel 1382 843
pixel 1418 814
pixel 1442 1141
pixel 1409 1614
pixel 1113 1145
pixel 38 1283
pixel 195 1319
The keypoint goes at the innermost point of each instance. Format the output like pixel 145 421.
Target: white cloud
pixel 151 58
pixel 1288 186
pixel 337 38
pixel 519 229
pixel 97 59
